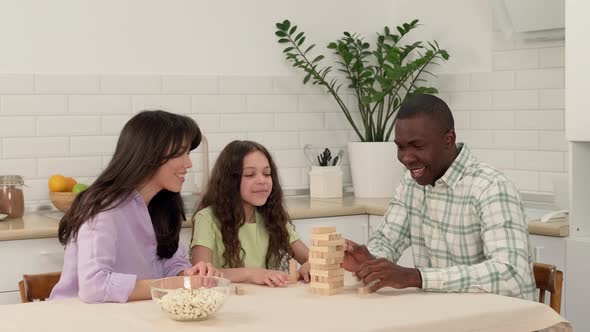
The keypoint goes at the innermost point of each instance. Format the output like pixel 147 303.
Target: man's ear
pixel 450 137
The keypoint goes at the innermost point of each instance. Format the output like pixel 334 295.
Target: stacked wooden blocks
pixel 326 252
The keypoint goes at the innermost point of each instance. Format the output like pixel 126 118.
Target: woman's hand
pixel 271 278
pixel 202 269
pixel 304 272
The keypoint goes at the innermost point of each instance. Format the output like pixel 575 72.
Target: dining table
pixel 296 308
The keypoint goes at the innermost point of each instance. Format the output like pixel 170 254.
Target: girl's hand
pixel 271 278
pixel 202 269
pixel 304 272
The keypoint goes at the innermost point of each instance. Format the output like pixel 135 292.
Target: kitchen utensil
pixel 338 158
pixel 307 150
pixel 3 216
pixel 324 157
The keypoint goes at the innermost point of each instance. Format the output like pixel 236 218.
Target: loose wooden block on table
pixel 293 275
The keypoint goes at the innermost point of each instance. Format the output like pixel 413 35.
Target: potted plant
pixel 380 79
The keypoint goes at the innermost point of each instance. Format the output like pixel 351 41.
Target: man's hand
pixel 382 273
pixel 354 255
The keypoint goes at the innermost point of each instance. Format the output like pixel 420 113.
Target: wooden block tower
pixel 326 252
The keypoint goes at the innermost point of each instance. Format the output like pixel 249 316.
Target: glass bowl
pixel 188 298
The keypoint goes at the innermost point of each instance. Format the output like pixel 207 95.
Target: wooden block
pixel 239 290
pixel 293 274
pixel 334 254
pixel 327 279
pixel 313 248
pixel 319 291
pixel 326 261
pixel 324 267
pixel 330 243
pixel 326 236
pixel 364 290
pixel 326 273
pixel 328 285
pixel 323 230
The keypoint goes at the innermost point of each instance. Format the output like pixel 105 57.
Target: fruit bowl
pixel 62 200
pixel 188 298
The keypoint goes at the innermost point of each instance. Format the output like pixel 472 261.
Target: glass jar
pixel 12 200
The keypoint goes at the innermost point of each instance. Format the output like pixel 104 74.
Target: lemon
pixel 57 183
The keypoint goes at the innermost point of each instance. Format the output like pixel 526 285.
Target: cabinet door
pixel 576 283
pixel 10 298
pixel 354 228
pixel 406 259
pixel 185 238
pixel 548 250
pixel 28 257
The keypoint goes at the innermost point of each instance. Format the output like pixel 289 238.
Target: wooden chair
pixel 37 286
pixel 549 278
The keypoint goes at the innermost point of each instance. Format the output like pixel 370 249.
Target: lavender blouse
pixel 112 252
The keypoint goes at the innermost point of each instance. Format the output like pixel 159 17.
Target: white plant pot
pixel 376 172
pixel 325 182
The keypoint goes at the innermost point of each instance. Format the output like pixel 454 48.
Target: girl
pixel 241 225
pixel 124 229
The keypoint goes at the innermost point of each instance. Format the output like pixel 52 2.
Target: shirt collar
pixel 455 172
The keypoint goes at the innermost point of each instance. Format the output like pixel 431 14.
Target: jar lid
pixel 11 180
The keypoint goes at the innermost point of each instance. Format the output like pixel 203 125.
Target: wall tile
pixel 187 84
pixel 67 84
pixel 173 104
pixel 535 119
pixel 32 147
pixel 12 126
pixel 131 84
pixel 513 139
pixel 276 140
pixel 492 120
pixel 112 124
pixel 219 104
pixel 23 167
pixel 552 57
pixel 231 85
pixel 552 99
pixel 17 83
pixel 524 180
pixel 515 59
pixel 69 166
pixel 68 125
pixel 271 103
pixel 37 104
pixel 299 121
pixel 501 80
pixel 553 141
pixel 93 145
pixel 503 159
pixel 103 104
pixel 246 122
pixel 540 78
pixel 540 160
pixel 516 99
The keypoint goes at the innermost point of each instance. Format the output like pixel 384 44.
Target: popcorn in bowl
pixel 187 298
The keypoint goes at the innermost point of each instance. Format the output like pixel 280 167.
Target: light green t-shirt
pixel 253 238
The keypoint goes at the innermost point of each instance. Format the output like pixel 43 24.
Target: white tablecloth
pixel 294 308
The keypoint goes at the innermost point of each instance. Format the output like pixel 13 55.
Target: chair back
pixel 549 279
pixel 37 286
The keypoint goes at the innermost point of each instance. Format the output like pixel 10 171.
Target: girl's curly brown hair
pixel 223 196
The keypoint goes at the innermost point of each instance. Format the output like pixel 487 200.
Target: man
pixel 463 219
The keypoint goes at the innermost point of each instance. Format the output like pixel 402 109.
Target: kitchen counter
pixel 44 224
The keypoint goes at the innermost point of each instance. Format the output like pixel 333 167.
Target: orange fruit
pixel 70 183
pixel 57 183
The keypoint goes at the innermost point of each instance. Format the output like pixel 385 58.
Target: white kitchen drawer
pixel 28 257
pixel 10 298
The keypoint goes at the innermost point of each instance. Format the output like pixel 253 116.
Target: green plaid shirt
pixel 468 233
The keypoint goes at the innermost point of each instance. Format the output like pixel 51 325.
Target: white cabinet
pixel 551 250
pixel 576 281
pixel 185 238
pixel 28 257
pixel 354 228
pixel 9 298
pixel 406 259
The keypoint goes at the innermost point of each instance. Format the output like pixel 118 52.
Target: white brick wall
pixel 512 117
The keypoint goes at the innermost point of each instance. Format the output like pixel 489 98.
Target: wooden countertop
pixel 44 224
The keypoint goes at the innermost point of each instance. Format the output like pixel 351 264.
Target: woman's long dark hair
pixel 223 196
pixel 147 141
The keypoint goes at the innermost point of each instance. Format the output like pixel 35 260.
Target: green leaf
pixel 301 41
pixel 284 40
pixel 332 46
pixel 286 24
pixel 387 32
pixel 318 58
pixel 309 48
pixel 279 26
pixel 306 79
pixel 299 35
pixel 288 49
pixel 281 34
pixel 293 29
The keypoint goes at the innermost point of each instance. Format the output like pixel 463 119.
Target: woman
pixel 124 229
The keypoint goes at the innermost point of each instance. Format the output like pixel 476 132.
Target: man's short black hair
pixel 430 106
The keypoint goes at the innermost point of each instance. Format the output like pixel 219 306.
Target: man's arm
pixel 504 231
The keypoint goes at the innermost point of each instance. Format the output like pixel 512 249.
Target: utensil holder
pixel 325 182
